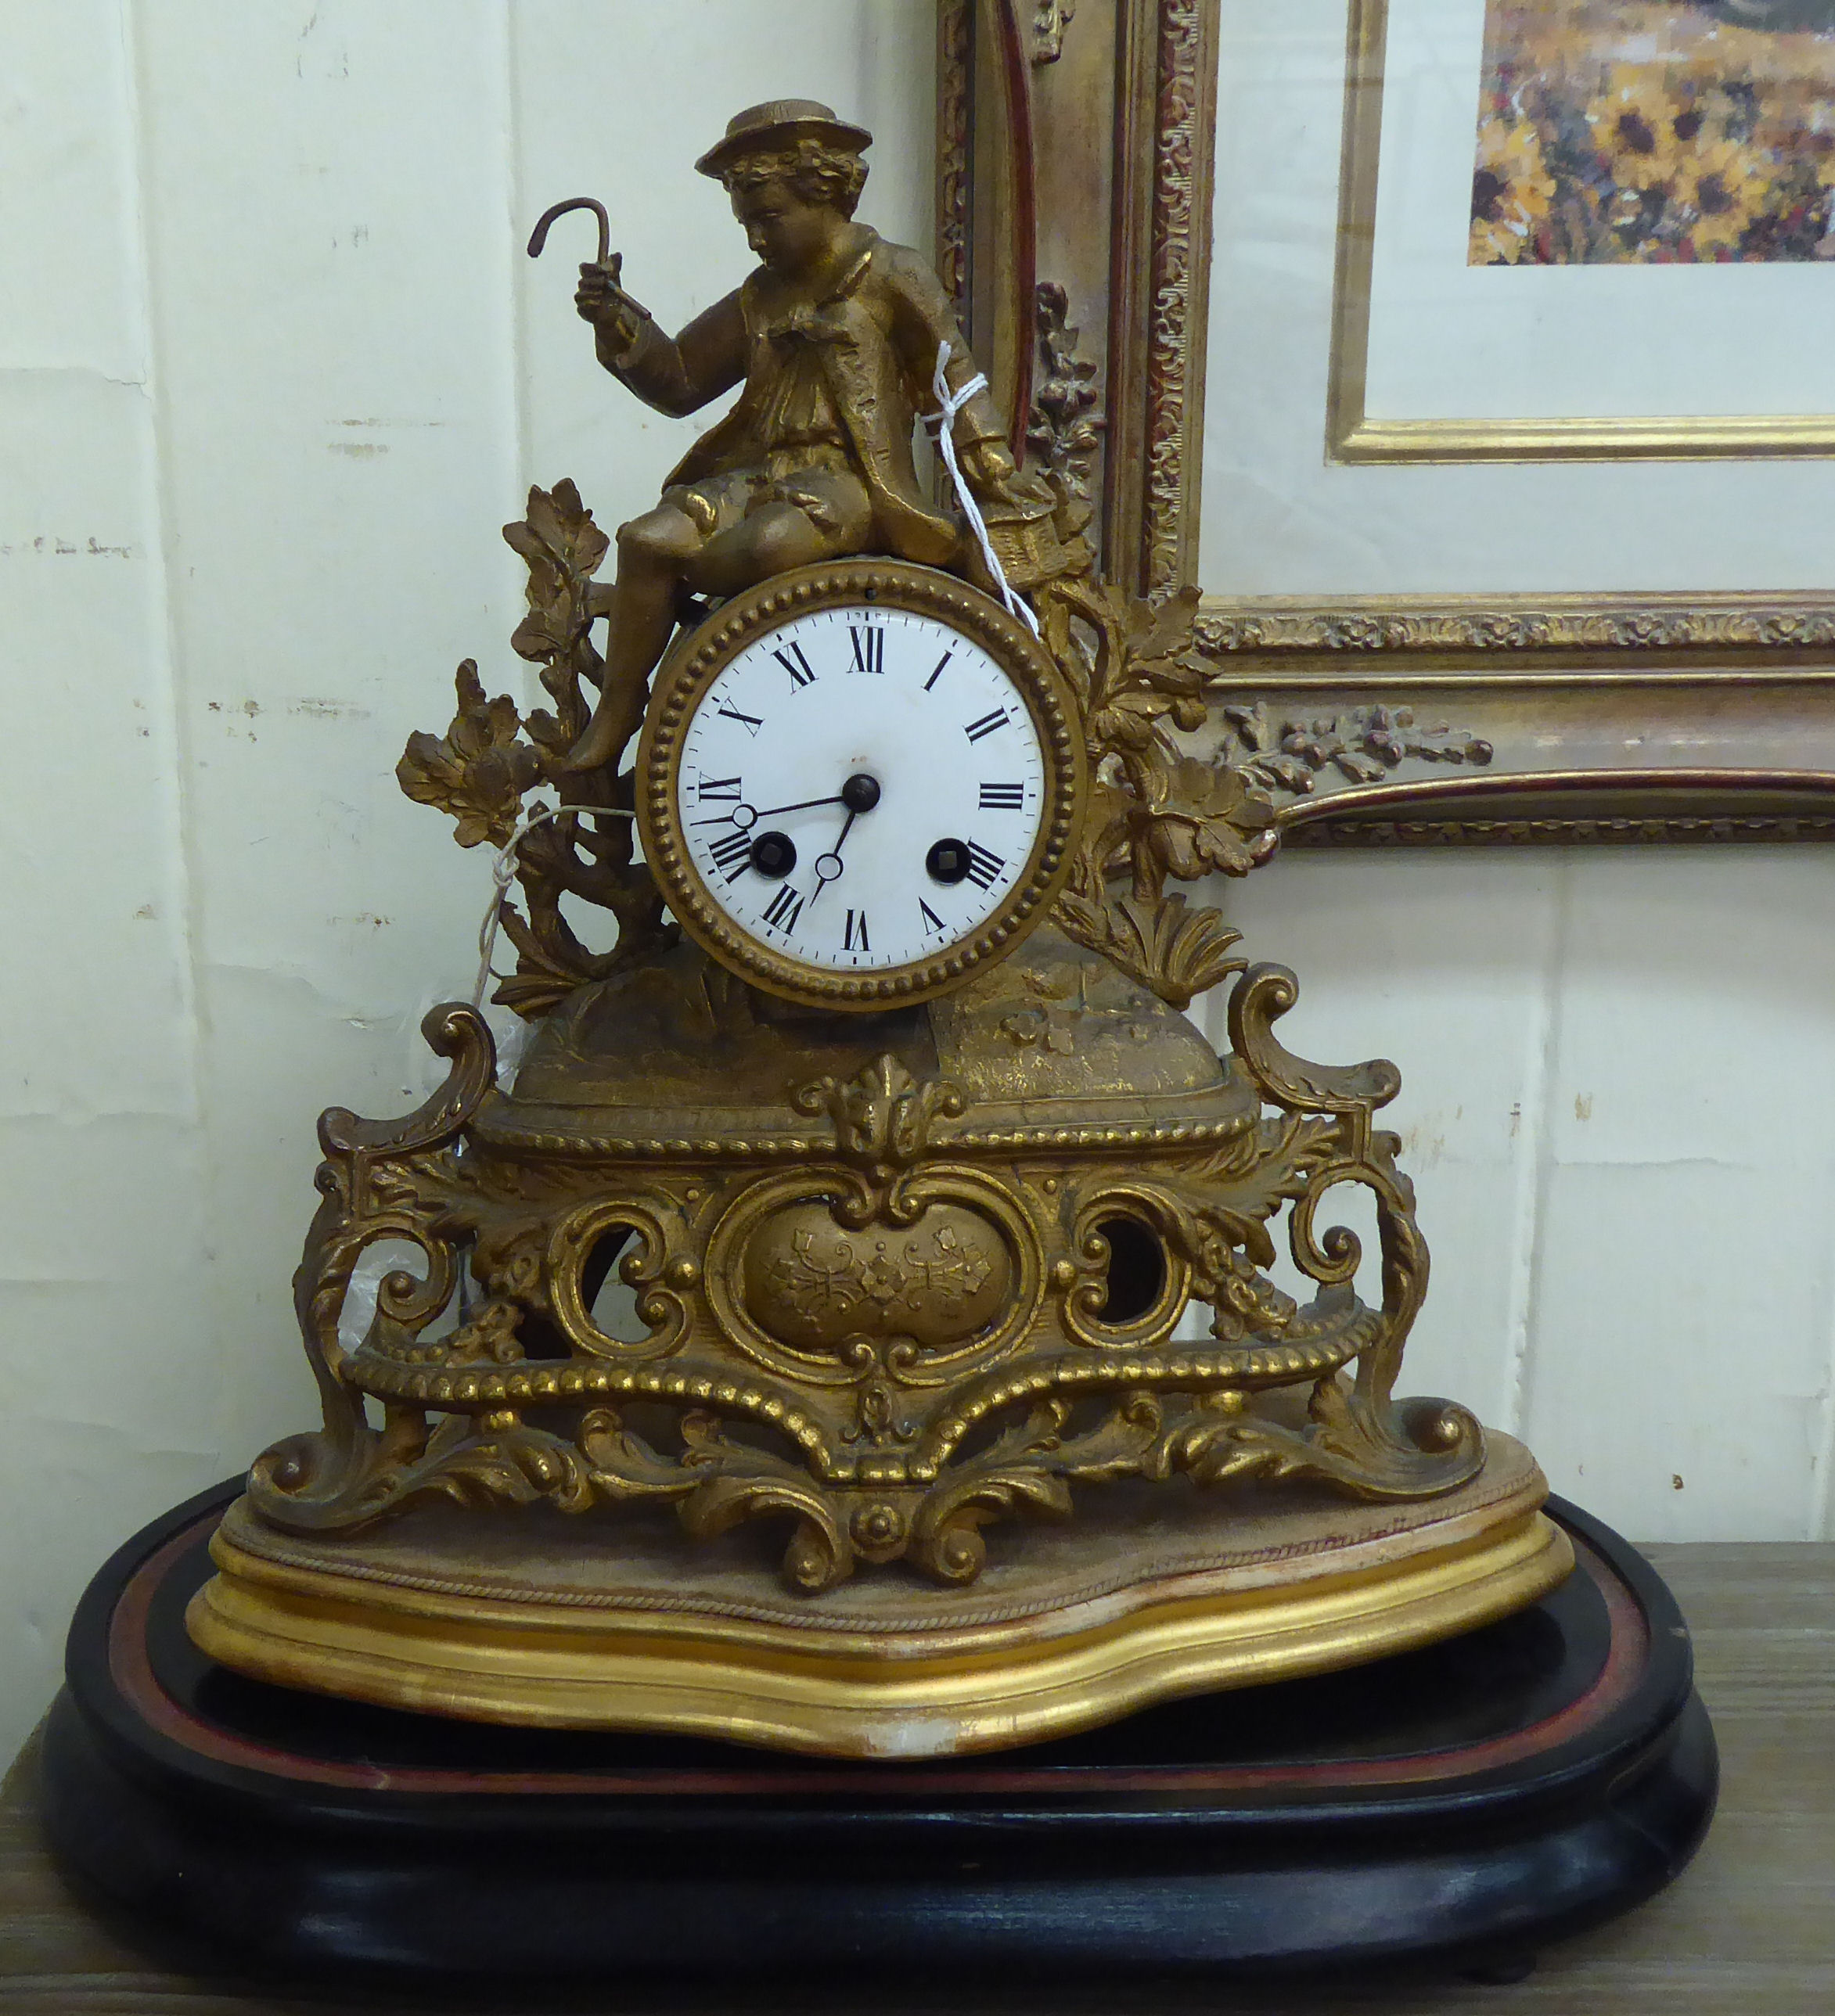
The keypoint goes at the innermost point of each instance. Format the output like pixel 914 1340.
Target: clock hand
pixel 860 794
pixel 742 816
pixel 824 874
pixel 771 811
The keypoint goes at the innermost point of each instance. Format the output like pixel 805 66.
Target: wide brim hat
pixel 780 123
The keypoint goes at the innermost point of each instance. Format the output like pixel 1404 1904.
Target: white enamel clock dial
pixel 861 795
pixel 861 787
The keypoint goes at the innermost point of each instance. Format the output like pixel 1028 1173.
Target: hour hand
pixel 829 865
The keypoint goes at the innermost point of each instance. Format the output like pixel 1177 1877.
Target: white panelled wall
pixel 273 370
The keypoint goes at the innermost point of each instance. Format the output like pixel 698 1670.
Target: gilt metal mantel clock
pixel 866 1253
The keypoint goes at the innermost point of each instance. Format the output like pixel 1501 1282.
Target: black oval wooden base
pixel 1456 1808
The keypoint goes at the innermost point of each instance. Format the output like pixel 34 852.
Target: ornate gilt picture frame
pixel 1076 140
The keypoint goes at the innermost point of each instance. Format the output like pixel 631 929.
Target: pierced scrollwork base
pixel 884 1310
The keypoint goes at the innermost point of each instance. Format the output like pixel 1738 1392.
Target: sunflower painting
pixel 1633 132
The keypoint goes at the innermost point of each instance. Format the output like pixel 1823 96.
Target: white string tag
pixel 950 404
pixel 503 874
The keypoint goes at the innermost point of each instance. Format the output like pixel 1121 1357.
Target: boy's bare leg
pixel 655 554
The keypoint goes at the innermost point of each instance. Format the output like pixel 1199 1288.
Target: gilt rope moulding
pixel 830 1259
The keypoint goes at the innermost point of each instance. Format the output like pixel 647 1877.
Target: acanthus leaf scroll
pixel 490 758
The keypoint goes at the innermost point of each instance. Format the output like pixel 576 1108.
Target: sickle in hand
pixel 538 237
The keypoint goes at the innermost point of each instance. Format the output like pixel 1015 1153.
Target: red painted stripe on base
pixel 131 1672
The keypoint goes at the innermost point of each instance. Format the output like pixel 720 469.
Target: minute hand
pixel 803 805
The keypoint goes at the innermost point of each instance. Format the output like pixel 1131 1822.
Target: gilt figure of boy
pixel 835 335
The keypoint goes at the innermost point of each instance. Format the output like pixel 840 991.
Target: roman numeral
pixel 1001 798
pixel 784 908
pixel 931 917
pixel 938 674
pixel 752 723
pixel 796 664
pixel 732 852
pixel 869 649
pixel 728 787
pixel 986 726
pixel 853 938
pixel 983 865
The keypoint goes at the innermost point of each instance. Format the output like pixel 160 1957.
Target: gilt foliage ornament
pixel 1063 430
pixel 492 765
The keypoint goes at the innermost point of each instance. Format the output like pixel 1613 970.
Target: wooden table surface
pixel 1748 1931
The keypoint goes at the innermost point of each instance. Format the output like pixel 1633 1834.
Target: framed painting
pixel 1463 354
pixel 1620 245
